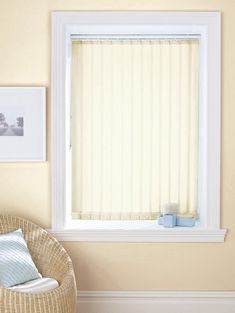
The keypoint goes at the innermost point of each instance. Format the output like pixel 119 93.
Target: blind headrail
pixel 85 37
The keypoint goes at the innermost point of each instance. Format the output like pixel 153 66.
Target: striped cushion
pixel 16 264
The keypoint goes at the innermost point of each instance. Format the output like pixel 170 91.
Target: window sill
pixel 158 234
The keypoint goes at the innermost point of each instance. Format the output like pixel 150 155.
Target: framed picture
pixel 22 124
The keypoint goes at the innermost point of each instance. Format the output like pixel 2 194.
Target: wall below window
pixel 25 188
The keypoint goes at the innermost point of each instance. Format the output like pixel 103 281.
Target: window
pixel 136 124
pixel 135 127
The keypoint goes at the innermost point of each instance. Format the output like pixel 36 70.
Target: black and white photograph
pixel 22 124
pixel 11 122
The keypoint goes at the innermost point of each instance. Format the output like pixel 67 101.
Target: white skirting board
pixel 156 301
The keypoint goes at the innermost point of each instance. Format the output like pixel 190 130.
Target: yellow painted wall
pixel 25 188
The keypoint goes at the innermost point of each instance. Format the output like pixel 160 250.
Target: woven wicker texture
pixel 52 261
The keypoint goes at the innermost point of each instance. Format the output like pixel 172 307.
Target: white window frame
pixel 205 24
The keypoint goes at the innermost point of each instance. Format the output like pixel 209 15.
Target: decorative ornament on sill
pixel 172 218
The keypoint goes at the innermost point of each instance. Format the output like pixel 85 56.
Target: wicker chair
pixel 52 261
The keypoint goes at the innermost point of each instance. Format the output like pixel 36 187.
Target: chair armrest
pixel 49 256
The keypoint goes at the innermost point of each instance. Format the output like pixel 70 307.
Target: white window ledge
pixel 159 234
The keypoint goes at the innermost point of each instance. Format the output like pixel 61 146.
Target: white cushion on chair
pixel 38 285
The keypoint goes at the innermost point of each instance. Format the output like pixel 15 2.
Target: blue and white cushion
pixel 16 264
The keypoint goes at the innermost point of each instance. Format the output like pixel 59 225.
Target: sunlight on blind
pixel 135 127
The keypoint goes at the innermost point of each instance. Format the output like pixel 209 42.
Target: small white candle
pixel 171 207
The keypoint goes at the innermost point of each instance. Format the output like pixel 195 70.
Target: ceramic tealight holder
pixel 169 220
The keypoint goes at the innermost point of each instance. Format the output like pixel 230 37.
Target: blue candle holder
pixel 169 220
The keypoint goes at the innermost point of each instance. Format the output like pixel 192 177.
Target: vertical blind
pixel 135 127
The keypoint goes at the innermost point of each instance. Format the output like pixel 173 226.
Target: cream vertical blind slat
pixel 107 128
pixel 194 135
pixel 135 127
pixel 156 126
pixel 127 105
